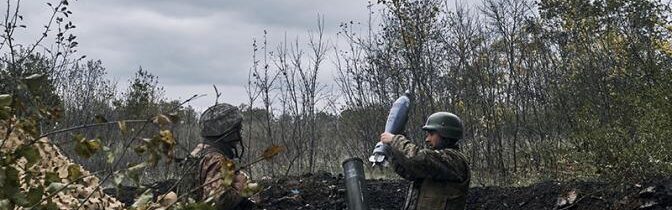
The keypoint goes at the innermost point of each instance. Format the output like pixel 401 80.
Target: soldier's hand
pixel 240 180
pixel 386 137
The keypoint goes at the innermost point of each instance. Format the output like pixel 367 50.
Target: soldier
pixel 440 175
pixel 220 129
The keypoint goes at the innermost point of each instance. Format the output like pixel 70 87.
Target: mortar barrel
pixel 355 183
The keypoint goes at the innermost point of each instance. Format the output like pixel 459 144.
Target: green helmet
pixel 446 124
pixel 220 119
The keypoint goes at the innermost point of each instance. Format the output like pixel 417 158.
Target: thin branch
pixel 88 126
pixel 217 94
pixel 128 145
pixel 46 30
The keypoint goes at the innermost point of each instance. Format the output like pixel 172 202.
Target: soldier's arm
pixel 412 162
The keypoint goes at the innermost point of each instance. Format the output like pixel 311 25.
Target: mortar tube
pixel 355 184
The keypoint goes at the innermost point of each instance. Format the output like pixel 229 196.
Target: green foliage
pixel 47 95
pixel 86 148
pixel 142 95
pixel 143 201
pixel 616 73
pixel 74 172
pixel 5 106
pixel 556 90
pixel 29 152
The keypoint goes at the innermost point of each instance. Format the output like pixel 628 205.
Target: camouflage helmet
pixel 446 124
pixel 220 119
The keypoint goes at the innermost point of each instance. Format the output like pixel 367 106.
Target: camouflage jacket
pixel 440 178
pixel 226 197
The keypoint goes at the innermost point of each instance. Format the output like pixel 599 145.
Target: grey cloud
pixel 193 44
pixel 269 13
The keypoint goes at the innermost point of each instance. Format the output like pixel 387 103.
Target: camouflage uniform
pixel 226 197
pixel 440 178
pixel 221 132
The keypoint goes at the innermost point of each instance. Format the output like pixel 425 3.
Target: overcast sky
pixel 191 45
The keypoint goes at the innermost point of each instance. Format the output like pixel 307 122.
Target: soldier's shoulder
pixel 451 154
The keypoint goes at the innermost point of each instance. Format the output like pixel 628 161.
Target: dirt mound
pixel 575 195
pixel 324 191
pixel 327 191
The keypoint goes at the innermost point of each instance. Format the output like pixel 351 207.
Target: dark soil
pixel 326 191
pixel 323 191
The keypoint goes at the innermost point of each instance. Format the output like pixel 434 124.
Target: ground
pixel 327 191
pixel 324 191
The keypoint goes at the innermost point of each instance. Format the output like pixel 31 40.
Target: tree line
pixel 547 90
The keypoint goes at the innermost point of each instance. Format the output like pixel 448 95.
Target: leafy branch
pixel 158 119
pixel 229 171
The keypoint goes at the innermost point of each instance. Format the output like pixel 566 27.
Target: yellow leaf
pixel 272 151
pixel 94 145
pixel 134 172
pixel 122 127
pixel 167 137
pixel 250 189
pixel 227 171
pixel 143 201
pixel 168 199
pixel 74 172
pixel 161 120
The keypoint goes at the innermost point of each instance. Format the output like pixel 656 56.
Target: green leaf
pixel 174 117
pixel 33 82
pixel 6 204
pixel 3 176
pixel 94 145
pixel 140 149
pixel 74 172
pixel 29 125
pixel 80 146
pixel 109 154
pixel 100 119
pixel 5 100
pixel 78 137
pixel 19 198
pixel 118 178
pixel 51 177
pixel 134 171
pixel 86 148
pixel 11 183
pixel 143 200
pixel 55 186
pixel 5 113
pixel 31 154
pixel 35 195
pixel 154 158
pixel 82 150
pixel 49 206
